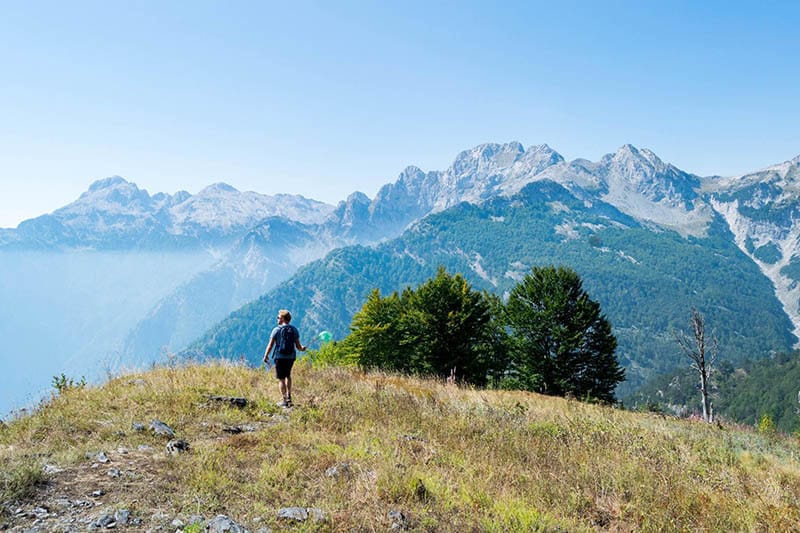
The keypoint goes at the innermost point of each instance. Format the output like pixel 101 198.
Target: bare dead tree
pixel 703 355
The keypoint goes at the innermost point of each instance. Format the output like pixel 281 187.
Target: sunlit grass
pixel 448 458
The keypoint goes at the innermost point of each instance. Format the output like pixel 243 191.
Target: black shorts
pixel 283 368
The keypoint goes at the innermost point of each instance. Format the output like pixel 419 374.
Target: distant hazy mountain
pixel 116 214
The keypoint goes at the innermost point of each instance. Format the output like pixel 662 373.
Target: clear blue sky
pixel 325 98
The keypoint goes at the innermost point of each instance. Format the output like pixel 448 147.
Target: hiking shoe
pixel 284 403
pixel 289 403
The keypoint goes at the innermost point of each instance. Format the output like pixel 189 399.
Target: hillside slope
pixel 368 451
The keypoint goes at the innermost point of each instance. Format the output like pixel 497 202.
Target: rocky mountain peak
pixel 354 202
pixel 218 188
pixel 113 195
pixel 638 163
pixel 538 157
pixel 108 183
pixel 410 174
pixel 353 211
pixel 487 158
pixel 357 197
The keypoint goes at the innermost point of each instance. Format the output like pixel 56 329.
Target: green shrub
pixel 766 426
pixel 64 384
pixel 18 480
pixel 332 354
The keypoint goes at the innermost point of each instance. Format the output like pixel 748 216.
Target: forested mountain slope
pixel 646 280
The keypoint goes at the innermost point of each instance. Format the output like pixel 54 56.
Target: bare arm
pixel 298 345
pixel 269 348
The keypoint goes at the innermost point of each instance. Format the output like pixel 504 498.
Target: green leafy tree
pixel 441 327
pixel 495 345
pixel 561 343
pixel 376 334
pixel 447 325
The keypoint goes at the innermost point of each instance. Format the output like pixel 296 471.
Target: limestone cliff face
pixel 762 210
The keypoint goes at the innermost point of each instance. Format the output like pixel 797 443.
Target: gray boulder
pixel 293 513
pixel 160 428
pixel 222 523
pixel 301 514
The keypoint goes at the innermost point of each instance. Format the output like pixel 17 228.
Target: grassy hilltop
pixel 368 452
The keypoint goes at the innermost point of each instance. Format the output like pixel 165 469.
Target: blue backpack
pixel 286 339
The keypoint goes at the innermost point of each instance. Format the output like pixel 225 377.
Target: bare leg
pixel 283 388
pixel 288 387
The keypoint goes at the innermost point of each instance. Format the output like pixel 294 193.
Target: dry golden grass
pixel 450 458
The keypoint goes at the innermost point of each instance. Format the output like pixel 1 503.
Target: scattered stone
pixel 294 513
pixel 114 472
pixel 144 448
pixel 222 523
pixel 106 521
pixel 301 514
pixel 41 512
pixel 263 530
pixel 341 469
pixel 122 451
pixel 316 514
pixel 177 446
pixel 177 523
pixel 122 516
pixel 243 428
pixel 98 457
pixel 98 493
pixel 138 427
pixel 399 520
pixel 232 400
pixel 196 519
pixel 160 428
pixel 51 469
pixel 63 501
pixel 138 382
